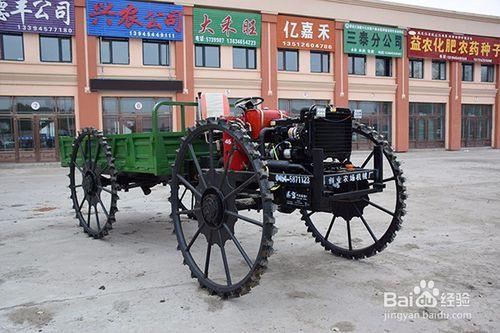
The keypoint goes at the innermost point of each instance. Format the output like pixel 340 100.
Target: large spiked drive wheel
pixel 227 244
pixel 363 226
pixel 93 183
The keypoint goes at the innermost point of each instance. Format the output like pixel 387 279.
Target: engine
pixel 320 126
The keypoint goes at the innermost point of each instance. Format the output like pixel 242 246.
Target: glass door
pixel 46 139
pixel 26 139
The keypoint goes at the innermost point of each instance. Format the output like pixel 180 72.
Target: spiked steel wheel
pixel 348 231
pixel 93 183
pixel 244 242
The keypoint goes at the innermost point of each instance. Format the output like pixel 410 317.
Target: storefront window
pixel 288 60
pixel 468 72
pixel 356 64
pixel 427 123
pixel 293 106
pixel 114 51
pixel 487 73
pixel 123 115
pixel 244 57
pixel 207 56
pixel 35 104
pixel 320 62
pixel 155 53
pixel 11 47
pixel 383 66
pixel 438 70
pixel 6 105
pixel 416 70
pixel 375 114
pixel 55 49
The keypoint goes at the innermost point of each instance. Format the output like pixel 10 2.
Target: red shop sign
pixel 452 47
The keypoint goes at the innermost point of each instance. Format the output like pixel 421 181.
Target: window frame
pixel 283 53
pixel 203 57
pixel 490 69
pixel 2 47
pixel 353 56
pixel 471 64
pixel 441 74
pixel 411 70
pixel 110 40
pixel 159 43
pixel 59 45
pixel 247 57
pixel 321 54
pixel 387 67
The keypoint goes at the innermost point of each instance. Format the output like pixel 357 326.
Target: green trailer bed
pixel 146 153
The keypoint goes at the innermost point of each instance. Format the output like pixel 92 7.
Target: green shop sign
pixel 222 27
pixel 373 40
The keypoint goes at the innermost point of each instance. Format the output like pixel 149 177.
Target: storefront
pixel 30 126
pixel 427 125
pixel 476 125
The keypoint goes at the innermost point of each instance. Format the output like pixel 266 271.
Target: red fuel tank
pixel 258 119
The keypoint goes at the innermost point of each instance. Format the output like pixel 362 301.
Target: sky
pixel 487 7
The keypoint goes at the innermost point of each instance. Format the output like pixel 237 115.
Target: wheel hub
pixel 212 208
pixel 89 183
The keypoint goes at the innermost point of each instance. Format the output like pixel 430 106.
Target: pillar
pixel 454 119
pixel 86 63
pixel 184 67
pixel 402 107
pixel 496 110
pixel 268 61
pixel 341 97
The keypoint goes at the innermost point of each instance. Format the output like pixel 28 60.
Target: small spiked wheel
pixel 244 242
pixel 93 183
pixel 364 226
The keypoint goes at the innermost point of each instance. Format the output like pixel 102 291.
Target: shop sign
pixel 56 17
pixel 373 40
pixel 305 33
pixel 222 27
pixel 452 47
pixel 134 19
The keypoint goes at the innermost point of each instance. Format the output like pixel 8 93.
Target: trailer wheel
pixel 350 233
pixel 244 242
pixel 93 183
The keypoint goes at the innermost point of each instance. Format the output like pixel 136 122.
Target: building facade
pixel 424 78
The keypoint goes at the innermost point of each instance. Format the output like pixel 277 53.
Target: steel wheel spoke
pixel 78 167
pixel 189 186
pixel 195 236
pixel 330 227
pixel 97 218
pixel 105 189
pixel 244 218
pixel 89 148
pixel 80 148
pixel 349 234
pixel 224 260
pixel 379 207
pixel 389 179
pixel 241 187
pixel 183 193
pixel 103 208
pixel 197 165
pixel 209 250
pixel 238 245
pixel 81 205
pixel 226 167
pixel 88 215
pixel 367 160
pixel 365 223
